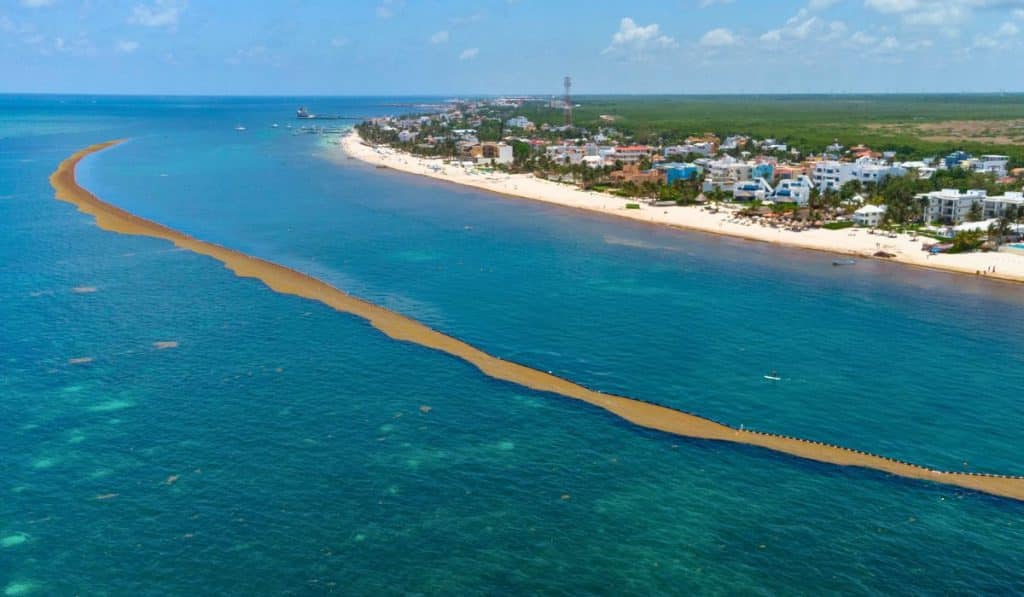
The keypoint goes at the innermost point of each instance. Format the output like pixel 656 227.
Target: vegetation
pixel 806 122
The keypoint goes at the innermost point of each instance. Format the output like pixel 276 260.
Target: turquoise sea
pixel 285 448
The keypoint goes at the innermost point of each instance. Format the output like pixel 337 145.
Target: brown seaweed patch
pixel 164 345
pixel 84 289
pixel 399 327
pixel 80 360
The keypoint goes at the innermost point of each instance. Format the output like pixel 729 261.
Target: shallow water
pixel 280 446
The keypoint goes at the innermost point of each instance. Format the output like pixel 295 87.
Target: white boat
pixel 273 126
pixel 239 128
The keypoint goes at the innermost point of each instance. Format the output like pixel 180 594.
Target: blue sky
pixel 358 47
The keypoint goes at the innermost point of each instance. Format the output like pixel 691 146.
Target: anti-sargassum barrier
pixel 399 327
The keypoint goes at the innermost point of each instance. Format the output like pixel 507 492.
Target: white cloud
pixel 439 38
pixel 1008 29
pixel 37 3
pixel 340 41
pixel 717 38
pixel 938 13
pixel 469 53
pixel 386 9
pixel 707 3
pixel 863 39
pixel 804 25
pixel 636 41
pixel 126 47
pixel 77 46
pixel 1019 14
pixel 821 4
pixel 161 13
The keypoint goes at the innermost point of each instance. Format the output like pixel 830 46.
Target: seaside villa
pixel 869 215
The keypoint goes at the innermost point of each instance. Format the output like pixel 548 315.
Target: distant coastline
pixel 903 248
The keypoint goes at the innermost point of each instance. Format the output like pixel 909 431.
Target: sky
pixel 457 47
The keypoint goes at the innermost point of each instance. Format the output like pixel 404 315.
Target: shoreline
pixel 644 414
pixel 847 242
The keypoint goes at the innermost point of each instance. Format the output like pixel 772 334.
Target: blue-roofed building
pixel 954 159
pixel 676 171
pixel 765 170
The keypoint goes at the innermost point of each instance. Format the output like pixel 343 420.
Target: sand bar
pixel 399 327
pixel 848 241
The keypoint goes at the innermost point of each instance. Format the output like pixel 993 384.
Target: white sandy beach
pixel 851 241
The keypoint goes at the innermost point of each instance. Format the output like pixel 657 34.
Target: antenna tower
pixel 567 82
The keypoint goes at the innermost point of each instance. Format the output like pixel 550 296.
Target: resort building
pixel 950 206
pixel 869 215
pixel 832 175
pixel 995 207
pixel 492 153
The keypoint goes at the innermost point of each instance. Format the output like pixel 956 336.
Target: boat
pixel 843 262
pixel 239 128
pixel 273 126
pixel 773 376
pixel 304 114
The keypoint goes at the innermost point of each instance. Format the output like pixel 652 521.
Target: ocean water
pixel 284 448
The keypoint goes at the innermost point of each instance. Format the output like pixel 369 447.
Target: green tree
pixel 975 214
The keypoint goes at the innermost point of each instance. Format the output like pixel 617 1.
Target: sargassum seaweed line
pixel 399 327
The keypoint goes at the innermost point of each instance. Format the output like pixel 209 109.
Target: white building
pixel 723 174
pixel 493 153
pixel 703 148
pixel 832 174
pixel 869 215
pixel 752 190
pixel 996 164
pixel 995 207
pixel 631 154
pixel 950 206
pixel 406 136
pixel 795 190
pixel 519 122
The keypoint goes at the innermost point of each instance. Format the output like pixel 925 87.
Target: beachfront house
pixel 796 190
pixel 752 190
pixel 869 215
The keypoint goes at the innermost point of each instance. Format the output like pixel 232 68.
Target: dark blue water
pixel 281 446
